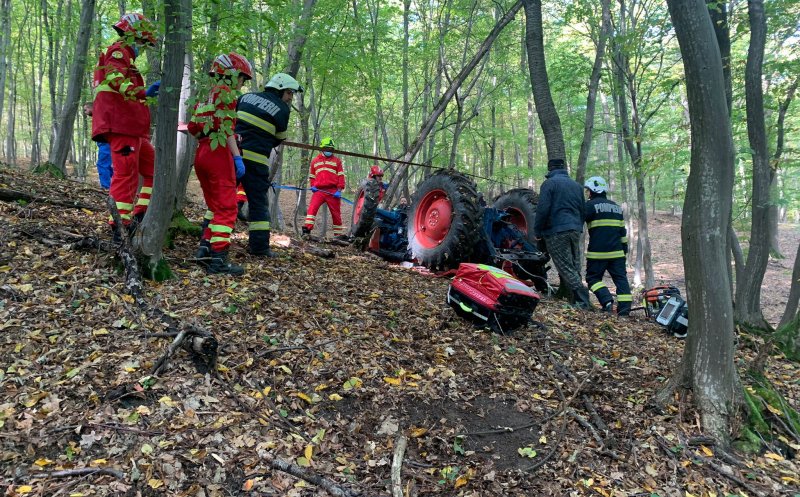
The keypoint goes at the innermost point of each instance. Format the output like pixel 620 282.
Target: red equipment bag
pixel 654 299
pixel 491 297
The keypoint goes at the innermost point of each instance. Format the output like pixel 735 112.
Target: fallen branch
pixel 397 464
pixel 8 195
pixel 162 361
pixel 306 247
pixel 320 481
pixel 81 472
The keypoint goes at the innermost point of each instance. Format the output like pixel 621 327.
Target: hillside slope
pixel 325 363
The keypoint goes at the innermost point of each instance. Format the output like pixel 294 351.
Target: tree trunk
pixel 406 9
pixel 186 145
pixel 594 82
pixel 11 144
pixel 790 312
pixel 66 122
pixel 540 84
pixel 748 290
pixel 774 214
pixel 5 43
pixel 440 106
pixel 152 232
pixel 707 366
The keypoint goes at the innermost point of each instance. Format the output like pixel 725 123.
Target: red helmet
pixel 231 64
pixel 375 171
pixel 138 26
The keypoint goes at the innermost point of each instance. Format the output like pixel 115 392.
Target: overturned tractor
pixel 448 223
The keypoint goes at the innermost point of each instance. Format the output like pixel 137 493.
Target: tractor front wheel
pixel 365 205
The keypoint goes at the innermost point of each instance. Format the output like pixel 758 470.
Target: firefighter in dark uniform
pixel 262 120
pixel 608 245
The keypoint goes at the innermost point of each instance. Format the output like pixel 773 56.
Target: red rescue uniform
pixel 121 118
pixel 327 175
pixel 214 166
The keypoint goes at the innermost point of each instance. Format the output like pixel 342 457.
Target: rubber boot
pixel 203 254
pixel 262 250
pixel 220 265
pixel 582 298
pixel 306 233
pixel 608 307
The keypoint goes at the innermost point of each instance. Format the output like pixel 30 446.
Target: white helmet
pixel 283 81
pixel 596 184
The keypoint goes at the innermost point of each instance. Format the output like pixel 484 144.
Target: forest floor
pixel 327 363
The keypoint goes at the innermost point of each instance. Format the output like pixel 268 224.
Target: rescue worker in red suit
pixel 218 163
pixel 326 177
pixel 121 118
pixel 376 173
pixel 262 121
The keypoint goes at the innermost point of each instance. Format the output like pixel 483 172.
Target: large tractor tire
pixel 444 223
pixel 520 204
pixel 365 205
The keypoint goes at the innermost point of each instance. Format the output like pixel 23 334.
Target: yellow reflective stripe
pixel 209 216
pixel 597 286
pixel 220 228
pixel 605 255
pixel 146 189
pixel 340 173
pixel 257 122
pixel 320 169
pixel 624 239
pixel 242 193
pixel 614 223
pixel 309 216
pixel 143 201
pixel 281 135
pixel 624 297
pixel 255 157
pixel 259 225
pixel 312 175
pixel 122 216
pixel 216 239
pixel 124 206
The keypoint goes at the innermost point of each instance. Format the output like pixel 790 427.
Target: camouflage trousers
pixel 564 249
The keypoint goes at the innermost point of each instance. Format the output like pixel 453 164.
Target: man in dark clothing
pixel 261 122
pixel 608 244
pixel 559 220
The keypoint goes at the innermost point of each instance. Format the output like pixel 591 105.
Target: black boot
pixel 220 265
pixel 306 233
pixel 203 254
pixel 259 244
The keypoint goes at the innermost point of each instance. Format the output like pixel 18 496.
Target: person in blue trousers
pixel 104 169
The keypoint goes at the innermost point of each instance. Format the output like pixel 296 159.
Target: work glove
pixel 238 163
pixel 152 90
pixel 314 189
pixel 385 186
pixel 338 194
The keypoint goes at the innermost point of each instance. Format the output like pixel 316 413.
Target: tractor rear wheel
pixel 444 223
pixel 520 204
pixel 365 205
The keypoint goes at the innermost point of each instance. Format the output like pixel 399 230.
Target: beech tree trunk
pixel 66 122
pixel 707 366
pixel 794 297
pixel 152 232
pixel 748 290
pixel 540 84
pixel 591 98
pixel 5 43
pixel 440 106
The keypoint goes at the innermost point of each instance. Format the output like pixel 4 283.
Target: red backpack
pixel 491 297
